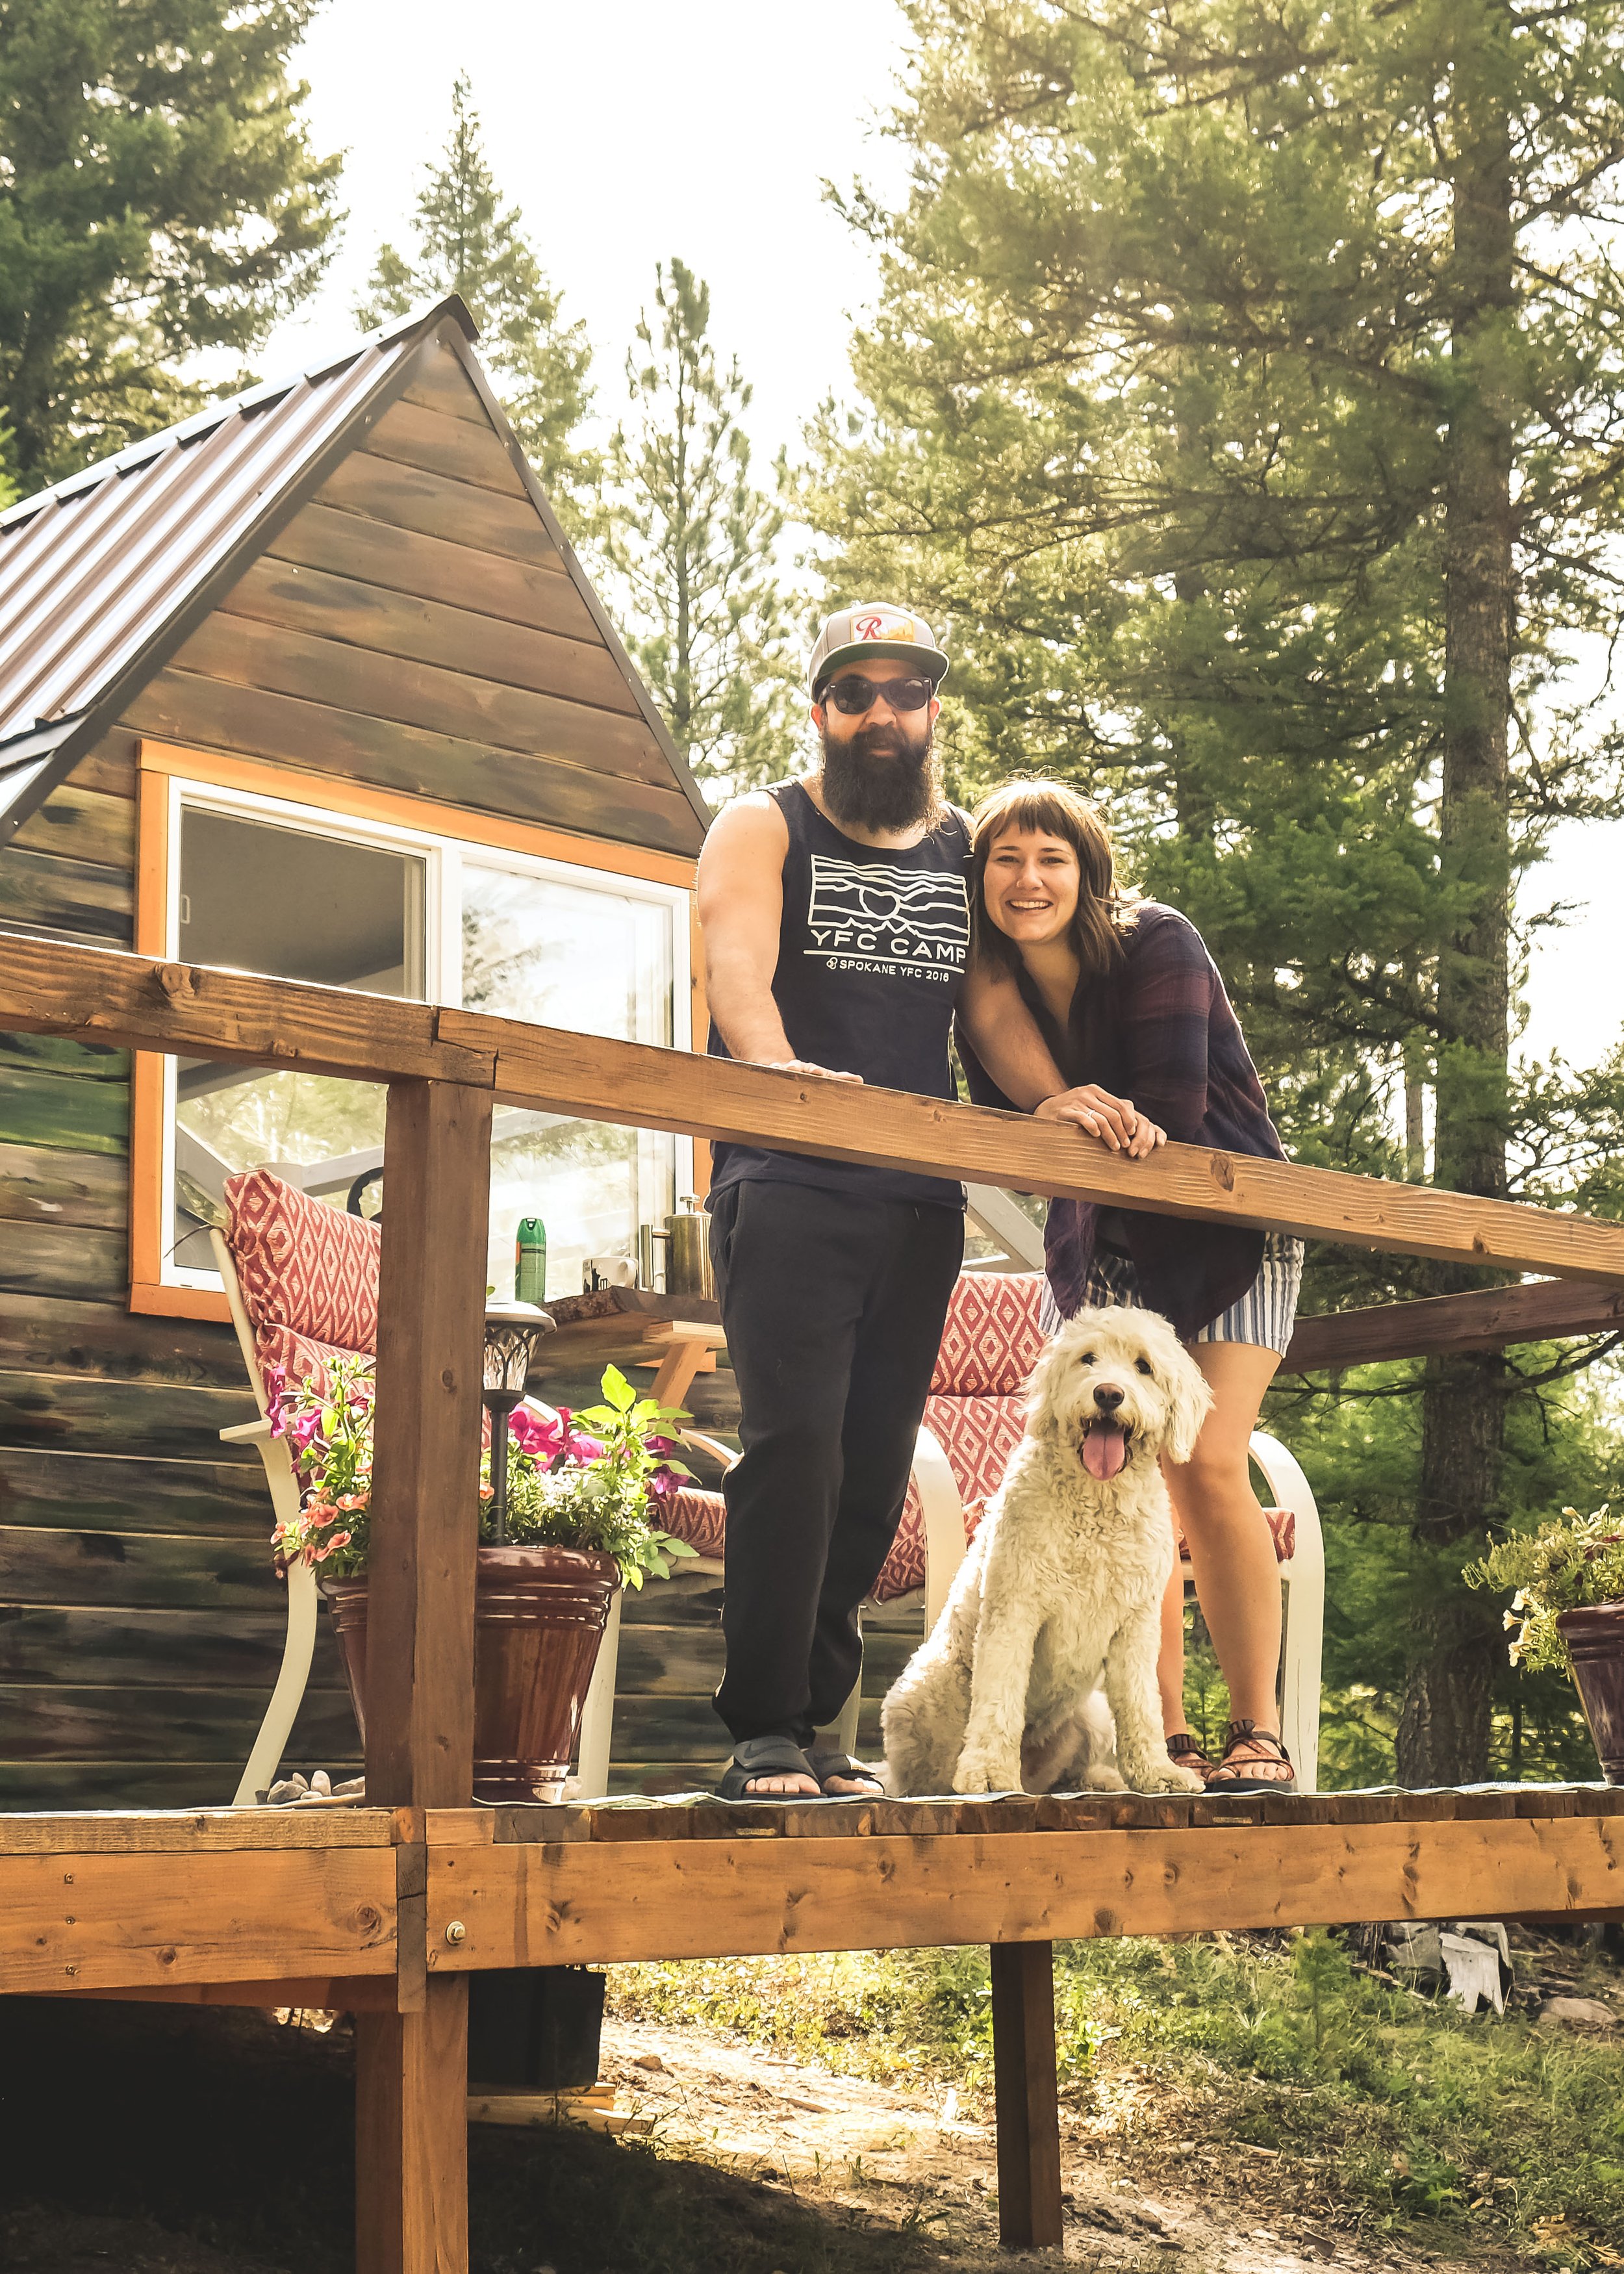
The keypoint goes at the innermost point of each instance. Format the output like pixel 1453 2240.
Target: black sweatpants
pixel 833 1305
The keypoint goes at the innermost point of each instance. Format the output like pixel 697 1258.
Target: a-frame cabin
pixel 312 684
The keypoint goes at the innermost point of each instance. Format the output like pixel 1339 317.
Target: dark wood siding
pixel 413 626
pixel 140 1623
pixel 416 627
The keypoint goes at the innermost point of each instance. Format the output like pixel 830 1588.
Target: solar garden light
pixel 512 1331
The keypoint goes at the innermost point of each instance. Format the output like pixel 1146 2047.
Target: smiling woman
pixel 1139 1034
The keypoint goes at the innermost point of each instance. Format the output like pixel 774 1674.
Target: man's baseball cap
pixel 874 629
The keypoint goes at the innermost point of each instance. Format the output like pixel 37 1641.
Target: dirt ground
pixel 201 2130
pixel 917 2162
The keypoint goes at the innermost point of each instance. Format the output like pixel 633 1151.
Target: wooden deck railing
pixel 446 1070
pixel 97 996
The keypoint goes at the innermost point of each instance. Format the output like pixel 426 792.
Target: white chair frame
pixel 298 1647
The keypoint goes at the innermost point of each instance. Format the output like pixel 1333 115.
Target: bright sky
pixel 632 130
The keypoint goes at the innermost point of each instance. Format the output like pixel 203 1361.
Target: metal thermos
pixel 651 1272
pixel 687 1269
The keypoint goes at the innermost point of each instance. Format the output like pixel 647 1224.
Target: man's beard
pixel 882 780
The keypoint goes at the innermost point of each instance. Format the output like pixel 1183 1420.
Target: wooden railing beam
pixel 135 1002
pixel 1489 1318
pixel 99 995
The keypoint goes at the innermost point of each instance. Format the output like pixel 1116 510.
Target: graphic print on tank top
pixel 870 914
pixel 873 946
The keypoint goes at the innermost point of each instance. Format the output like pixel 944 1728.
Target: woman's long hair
pixel 1105 909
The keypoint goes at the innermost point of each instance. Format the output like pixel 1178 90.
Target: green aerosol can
pixel 530 1260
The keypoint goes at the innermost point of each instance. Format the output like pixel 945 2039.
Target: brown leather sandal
pixel 1247 1765
pixel 1185 1751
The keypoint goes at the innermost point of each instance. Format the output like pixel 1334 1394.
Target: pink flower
pixel 327 1547
pixel 665 1484
pixel 660 1444
pixel 305 1431
pixel 537 1438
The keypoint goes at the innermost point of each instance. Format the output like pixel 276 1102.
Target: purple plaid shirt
pixel 1161 1031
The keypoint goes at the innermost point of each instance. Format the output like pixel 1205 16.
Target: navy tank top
pixel 872 949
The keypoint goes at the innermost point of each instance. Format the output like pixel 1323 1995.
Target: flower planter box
pixel 1595 1640
pixel 539 1615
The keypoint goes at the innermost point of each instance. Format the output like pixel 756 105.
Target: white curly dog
pixel 1061 1590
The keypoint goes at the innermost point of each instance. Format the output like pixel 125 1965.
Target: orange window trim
pixel 158 764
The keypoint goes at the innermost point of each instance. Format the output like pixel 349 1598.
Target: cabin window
pixel 264 885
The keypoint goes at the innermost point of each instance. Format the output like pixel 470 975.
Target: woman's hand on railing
pixel 1115 1121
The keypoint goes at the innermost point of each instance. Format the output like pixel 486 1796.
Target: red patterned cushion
pixel 904 1569
pixel 978 1435
pixel 303 1264
pixel 301 1358
pixel 699 1517
pixel 991 1341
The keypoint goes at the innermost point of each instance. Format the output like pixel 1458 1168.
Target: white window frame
pixel 443 858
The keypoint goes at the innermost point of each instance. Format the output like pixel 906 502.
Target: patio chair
pixel 301 1279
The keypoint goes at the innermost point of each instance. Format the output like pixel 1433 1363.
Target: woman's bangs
pixel 1030 809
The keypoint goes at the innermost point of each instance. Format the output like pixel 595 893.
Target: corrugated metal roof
pixel 93 570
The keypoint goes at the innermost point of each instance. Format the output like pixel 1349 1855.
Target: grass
pixel 1271 2072
pixel 1377 2109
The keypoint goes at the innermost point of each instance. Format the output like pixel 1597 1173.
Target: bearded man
pixel 836 921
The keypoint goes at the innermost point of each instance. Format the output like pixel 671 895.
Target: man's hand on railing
pixel 805 1065
pixel 1115 1121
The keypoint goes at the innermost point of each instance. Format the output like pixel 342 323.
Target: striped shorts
pixel 1264 1315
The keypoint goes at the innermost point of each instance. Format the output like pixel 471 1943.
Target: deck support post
pixel 411 2066
pixel 412 2135
pixel 1025 2089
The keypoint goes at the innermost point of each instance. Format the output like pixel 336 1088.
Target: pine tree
pixel 158 196
pixel 470 242
pixel 689 539
pixel 1244 388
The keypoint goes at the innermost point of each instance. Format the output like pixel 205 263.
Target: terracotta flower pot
pixel 1595 1639
pixel 539 1615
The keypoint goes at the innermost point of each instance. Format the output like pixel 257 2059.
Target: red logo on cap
pixel 868 626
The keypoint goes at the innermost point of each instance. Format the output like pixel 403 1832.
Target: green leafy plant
pixel 591 1480
pixel 588 1479
pixel 1561 1567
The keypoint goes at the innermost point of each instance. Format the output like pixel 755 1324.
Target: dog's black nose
pixel 1107 1398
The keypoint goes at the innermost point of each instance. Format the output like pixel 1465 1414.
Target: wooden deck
pixel 385 1913
pixel 388 1910
pixel 242 1902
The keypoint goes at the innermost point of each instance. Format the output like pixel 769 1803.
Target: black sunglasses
pixel 854 695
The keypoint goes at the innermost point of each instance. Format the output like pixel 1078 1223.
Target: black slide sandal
pixel 764 1757
pixel 827 1767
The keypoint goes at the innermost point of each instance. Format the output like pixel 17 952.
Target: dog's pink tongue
pixel 1105 1449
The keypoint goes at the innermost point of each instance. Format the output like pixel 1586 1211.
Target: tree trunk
pixel 1443 1736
